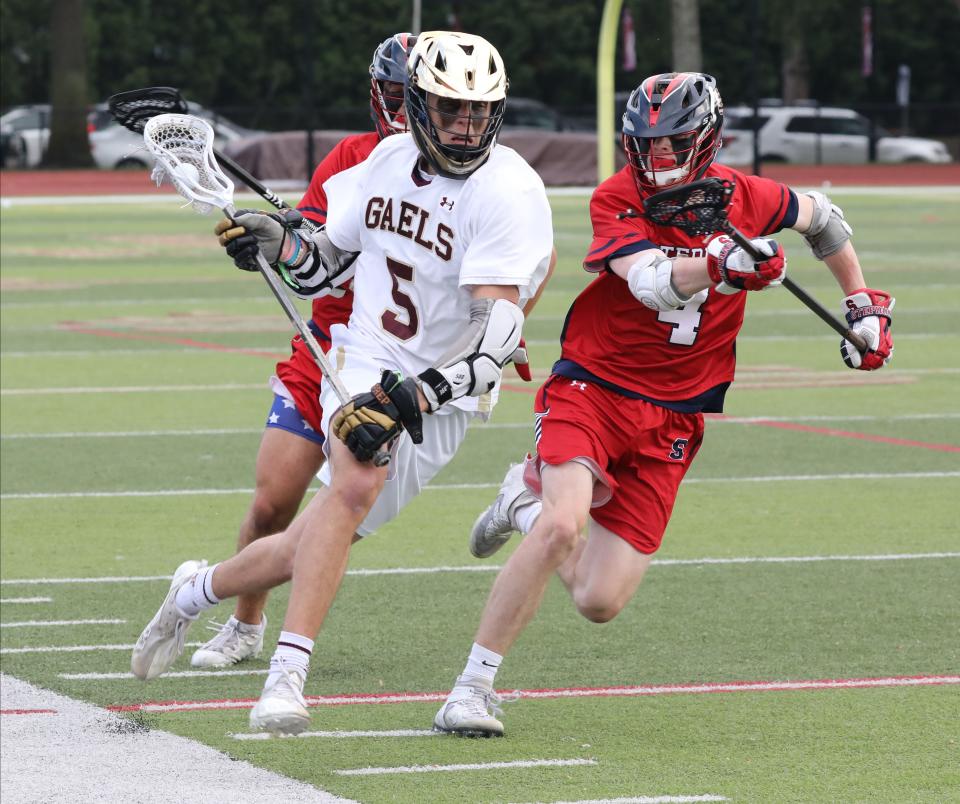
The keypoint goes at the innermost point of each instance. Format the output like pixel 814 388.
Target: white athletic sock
pixel 293 652
pixel 196 596
pixel 526 516
pixel 482 664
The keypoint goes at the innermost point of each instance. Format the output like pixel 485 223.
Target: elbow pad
pixel 473 365
pixel 650 280
pixel 828 230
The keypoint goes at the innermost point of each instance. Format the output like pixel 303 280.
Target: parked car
pixel 114 146
pixel 811 134
pixel 25 132
pixel 531 113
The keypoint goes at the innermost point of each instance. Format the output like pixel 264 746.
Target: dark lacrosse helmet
pixel 389 65
pixel 686 107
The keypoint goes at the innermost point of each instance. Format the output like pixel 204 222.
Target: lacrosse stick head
pixel 134 108
pixel 698 208
pixel 183 147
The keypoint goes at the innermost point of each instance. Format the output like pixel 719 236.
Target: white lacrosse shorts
pixel 412 466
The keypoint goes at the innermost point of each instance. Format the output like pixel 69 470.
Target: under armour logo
pixel 445 203
pixel 581 385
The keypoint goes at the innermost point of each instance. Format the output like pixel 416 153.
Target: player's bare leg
pixel 516 596
pixel 326 528
pixel 604 573
pixel 286 465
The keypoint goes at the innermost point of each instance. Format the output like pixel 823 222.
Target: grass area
pixel 134 361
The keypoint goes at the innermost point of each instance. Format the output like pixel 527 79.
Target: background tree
pixel 68 146
pixel 685 35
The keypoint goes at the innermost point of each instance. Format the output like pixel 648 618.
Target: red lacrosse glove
pixel 868 313
pixel 521 362
pixel 733 269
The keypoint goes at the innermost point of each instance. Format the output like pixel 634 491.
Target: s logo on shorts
pixel 678 453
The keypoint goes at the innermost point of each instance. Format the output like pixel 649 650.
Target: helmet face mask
pixel 388 75
pixel 456 92
pixel 671 129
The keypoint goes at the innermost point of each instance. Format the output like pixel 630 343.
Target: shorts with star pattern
pixel 285 416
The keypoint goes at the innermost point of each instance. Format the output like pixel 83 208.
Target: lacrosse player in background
pixel 647 349
pixel 445 235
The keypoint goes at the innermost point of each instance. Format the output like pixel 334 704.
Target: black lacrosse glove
pixel 251 230
pixel 372 420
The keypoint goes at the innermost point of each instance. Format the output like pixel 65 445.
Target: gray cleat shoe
pixel 282 708
pixel 470 710
pixel 162 640
pixel 497 524
pixel 234 642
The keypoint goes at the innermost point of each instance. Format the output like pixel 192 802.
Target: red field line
pixel 82 329
pixel 28 711
pixel 563 692
pixel 830 431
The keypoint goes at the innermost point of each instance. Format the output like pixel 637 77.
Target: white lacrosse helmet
pixel 444 64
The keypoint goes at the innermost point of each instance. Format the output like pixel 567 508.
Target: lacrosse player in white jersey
pixel 446 235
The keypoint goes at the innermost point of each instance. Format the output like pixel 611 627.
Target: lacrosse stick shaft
pixel 381 458
pixel 741 240
pixel 259 188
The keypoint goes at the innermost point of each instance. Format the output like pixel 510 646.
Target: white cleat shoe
pixel 497 524
pixel 467 712
pixel 234 642
pixel 281 709
pixel 162 640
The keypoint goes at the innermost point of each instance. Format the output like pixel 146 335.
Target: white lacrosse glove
pixel 733 270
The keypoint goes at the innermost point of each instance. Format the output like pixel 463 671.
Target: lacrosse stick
pixel 134 108
pixel 183 147
pixel 700 208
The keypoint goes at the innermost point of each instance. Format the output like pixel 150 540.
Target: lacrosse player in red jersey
pixel 291 449
pixel 647 349
pixel 446 235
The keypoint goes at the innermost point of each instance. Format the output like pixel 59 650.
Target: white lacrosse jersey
pixel 424 244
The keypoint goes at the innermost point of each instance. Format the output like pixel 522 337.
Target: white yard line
pixel 229 431
pixel 132 389
pixel 42 623
pixel 80 752
pixel 5 600
pixel 177 674
pixel 647 800
pixel 78 648
pixel 472 766
pixel 470 568
pixel 57 495
pixel 341 735
pixel 745 377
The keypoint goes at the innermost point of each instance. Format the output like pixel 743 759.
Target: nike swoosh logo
pixel 485 663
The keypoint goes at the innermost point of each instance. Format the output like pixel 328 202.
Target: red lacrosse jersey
pixel 685 357
pixel 350 151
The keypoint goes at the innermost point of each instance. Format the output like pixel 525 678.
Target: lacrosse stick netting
pixel 183 147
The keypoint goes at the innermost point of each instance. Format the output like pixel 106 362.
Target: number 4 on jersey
pixel 685 322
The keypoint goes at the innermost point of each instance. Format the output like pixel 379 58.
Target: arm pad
pixel 828 230
pixel 315 266
pixel 472 366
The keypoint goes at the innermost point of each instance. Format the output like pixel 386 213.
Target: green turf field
pixel 134 361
